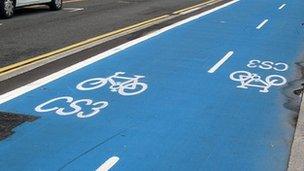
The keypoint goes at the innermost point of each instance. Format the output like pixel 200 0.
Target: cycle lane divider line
pixel 220 62
pixel 282 6
pixel 107 165
pixel 262 24
pixel 38 83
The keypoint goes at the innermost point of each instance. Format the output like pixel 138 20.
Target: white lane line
pixel 108 164
pixel 73 9
pixel 282 6
pixel 71 1
pixel 262 24
pixel 0 24
pixel 221 62
pixel 38 83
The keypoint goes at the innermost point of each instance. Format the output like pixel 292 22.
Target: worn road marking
pixel 73 9
pixel 195 6
pixel 189 11
pixel 108 164
pixel 71 1
pixel 262 24
pixel 221 62
pixel 38 83
pixel 282 6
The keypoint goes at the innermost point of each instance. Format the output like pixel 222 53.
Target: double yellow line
pixel 14 67
pixel 194 6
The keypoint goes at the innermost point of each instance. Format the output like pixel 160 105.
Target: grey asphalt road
pixel 36 30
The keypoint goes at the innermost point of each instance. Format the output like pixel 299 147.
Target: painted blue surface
pixel 187 119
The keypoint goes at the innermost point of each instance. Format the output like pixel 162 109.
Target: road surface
pixel 36 30
pixel 206 93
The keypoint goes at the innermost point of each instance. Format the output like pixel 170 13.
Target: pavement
pixel 210 92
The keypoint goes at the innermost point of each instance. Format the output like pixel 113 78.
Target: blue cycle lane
pixel 206 95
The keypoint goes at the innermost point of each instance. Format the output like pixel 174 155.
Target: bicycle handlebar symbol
pixel 129 86
pixel 248 79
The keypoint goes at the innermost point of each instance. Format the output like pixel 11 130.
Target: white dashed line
pixel 71 1
pixel 108 164
pixel 221 62
pixel 282 6
pixel 73 9
pixel 262 24
pixel 0 24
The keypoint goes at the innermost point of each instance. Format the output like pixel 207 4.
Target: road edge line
pixel 296 158
pixel 42 81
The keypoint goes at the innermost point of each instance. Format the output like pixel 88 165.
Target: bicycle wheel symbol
pixel 128 89
pixel 92 84
pixel 276 80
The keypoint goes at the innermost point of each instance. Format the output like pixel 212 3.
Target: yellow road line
pixel 16 66
pixel 73 46
pixel 192 7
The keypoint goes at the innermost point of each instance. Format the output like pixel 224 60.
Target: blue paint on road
pixel 187 118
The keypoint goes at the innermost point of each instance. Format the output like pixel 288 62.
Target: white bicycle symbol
pixel 128 87
pixel 248 79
